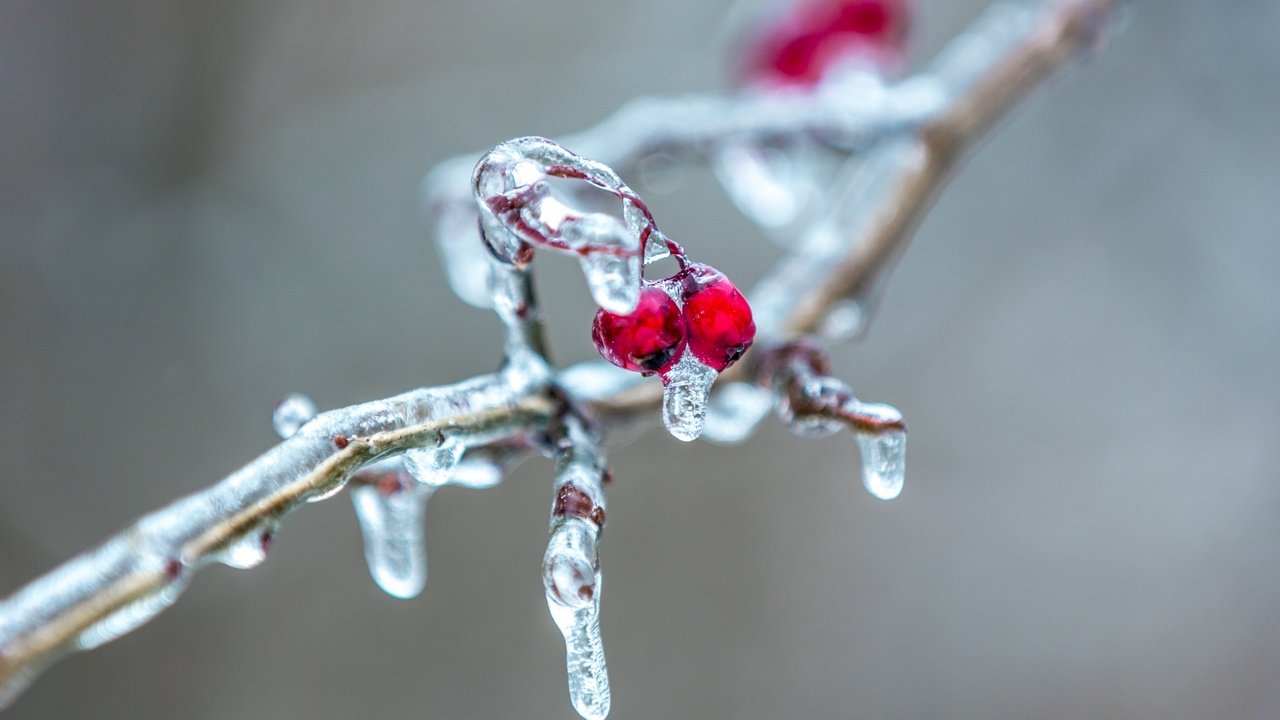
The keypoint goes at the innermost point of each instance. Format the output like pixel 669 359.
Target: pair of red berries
pixel 712 320
pixel 800 44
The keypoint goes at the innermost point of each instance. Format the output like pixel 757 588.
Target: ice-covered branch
pixel 825 283
pixel 841 172
pixel 108 591
pixel 571 567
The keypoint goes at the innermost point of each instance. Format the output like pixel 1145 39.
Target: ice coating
pixel 143 570
pixel 518 210
pixel 571 565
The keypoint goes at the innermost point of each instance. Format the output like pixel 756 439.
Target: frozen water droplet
pixel 250 549
pixel 392 521
pixel 433 465
pixel 883 463
pixel 684 400
pixel 291 413
pixel 734 412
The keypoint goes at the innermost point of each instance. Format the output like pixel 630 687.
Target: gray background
pixel 206 205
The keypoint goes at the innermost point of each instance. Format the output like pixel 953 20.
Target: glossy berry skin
pixel 800 45
pixel 717 318
pixel 649 340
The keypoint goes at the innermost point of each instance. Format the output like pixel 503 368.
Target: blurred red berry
pixel 805 41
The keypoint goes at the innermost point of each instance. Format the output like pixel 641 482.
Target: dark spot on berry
pixel 586 592
pixel 265 540
pixel 172 568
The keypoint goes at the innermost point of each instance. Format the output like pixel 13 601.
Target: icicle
pixel 291 413
pixel 684 399
pixel 884 455
pixel 571 566
pixel 735 411
pixel 392 516
pixel 610 259
pixel 584 654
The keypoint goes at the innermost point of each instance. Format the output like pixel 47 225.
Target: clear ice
pixel 584 654
pixel 684 399
pixel 392 520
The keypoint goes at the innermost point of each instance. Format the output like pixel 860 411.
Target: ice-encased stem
pixel 121 584
pixel 571 566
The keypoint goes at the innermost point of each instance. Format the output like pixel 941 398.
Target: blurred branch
pixel 983 78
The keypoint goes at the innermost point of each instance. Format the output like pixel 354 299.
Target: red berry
pixel 813 36
pixel 717 318
pixel 649 340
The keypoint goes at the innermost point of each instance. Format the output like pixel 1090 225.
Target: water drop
pixel 684 400
pixel 392 517
pixel 291 413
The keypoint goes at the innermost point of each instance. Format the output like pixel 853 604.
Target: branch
pixel 133 576
pixel 902 143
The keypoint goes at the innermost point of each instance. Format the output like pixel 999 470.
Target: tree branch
pixel 933 119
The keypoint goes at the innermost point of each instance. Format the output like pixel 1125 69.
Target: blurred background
pixel 204 206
